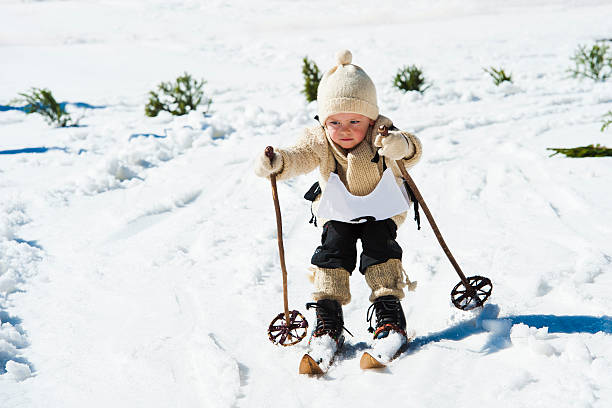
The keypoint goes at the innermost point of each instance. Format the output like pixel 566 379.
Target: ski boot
pixel 326 339
pixel 389 317
pixel 390 337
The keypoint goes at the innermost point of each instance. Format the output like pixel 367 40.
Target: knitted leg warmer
pixel 331 283
pixel 388 278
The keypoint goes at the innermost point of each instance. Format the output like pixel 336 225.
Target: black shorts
pixel 338 244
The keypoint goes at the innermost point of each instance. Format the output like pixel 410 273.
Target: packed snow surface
pixel 138 257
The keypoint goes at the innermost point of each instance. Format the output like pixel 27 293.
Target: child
pixel 362 198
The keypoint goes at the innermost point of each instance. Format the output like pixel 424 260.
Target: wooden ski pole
pixel 279 233
pixel 383 131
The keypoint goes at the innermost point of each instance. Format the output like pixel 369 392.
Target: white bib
pixel 385 201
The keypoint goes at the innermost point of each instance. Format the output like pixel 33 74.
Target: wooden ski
pixel 309 367
pixel 368 362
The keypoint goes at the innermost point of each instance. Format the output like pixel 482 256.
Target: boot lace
pixel 389 315
pixel 329 321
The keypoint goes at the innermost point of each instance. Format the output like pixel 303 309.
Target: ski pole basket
pixel 288 334
pixel 473 295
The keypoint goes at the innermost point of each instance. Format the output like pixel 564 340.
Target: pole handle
pixel 269 152
pixel 383 130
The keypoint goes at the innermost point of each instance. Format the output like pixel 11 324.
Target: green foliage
pixel 583 151
pixel 410 78
pixel 607 121
pixel 594 63
pixel 178 98
pixel 312 77
pixel 498 75
pixel 41 101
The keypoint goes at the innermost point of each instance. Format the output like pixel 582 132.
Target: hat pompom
pixel 344 57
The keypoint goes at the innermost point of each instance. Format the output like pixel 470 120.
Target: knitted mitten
pixel 394 146
pixel 263 167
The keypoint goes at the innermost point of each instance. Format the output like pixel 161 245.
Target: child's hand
pixel 394 146
pixel 263 167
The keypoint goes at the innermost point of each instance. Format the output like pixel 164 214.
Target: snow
pixel 138 256
pixel 384 349
pixel 322 350
pixel 18 371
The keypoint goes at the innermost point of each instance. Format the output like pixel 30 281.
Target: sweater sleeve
pixel 415 150
pixel 301 158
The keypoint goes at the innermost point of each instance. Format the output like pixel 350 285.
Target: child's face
pixel 347 129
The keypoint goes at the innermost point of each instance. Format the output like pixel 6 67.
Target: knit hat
pixel 346 88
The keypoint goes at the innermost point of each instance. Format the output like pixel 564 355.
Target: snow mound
pixel 18 371
pixel 577 350
pixel 18 258
pixel 127 161
pixel 533 338
pixel 13 215
pixel 18 261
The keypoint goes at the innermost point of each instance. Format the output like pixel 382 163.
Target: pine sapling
pixel 410 78
pixel 594 63
pixel 498 75
pixel 312 77
pixel 583 151
pixel 41 101
pixel 607 121
pixel 180 97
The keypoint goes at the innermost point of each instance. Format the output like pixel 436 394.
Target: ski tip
pixel 309 367
pixel 368 362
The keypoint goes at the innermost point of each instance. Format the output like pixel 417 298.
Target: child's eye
pixel 334 123
pixel 354 122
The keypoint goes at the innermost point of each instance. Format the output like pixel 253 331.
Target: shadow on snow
pixel 33 244
pixel 499 328
pixel 5 108
pixel 33 150
pixel 43 149
pixel 153 135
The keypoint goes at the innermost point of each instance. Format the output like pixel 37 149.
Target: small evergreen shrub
pixel 498 75
pixel 179 97
pixel 410 78
pixel 583 151
pixel 312 77
pixel 41 101
pixel 607 121
pixel 594 63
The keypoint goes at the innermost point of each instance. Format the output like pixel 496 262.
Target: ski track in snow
pixel 138 256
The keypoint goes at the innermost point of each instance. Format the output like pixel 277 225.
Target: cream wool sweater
pixel 355 168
